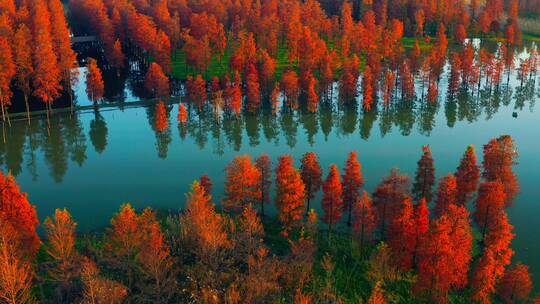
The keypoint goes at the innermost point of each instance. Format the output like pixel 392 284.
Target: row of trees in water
pixel 70 136
pixel 333 48
pixel 239 254
pixel 37 59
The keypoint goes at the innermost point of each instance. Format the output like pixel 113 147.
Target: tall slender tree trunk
pixel 4 132
pixel 3 114
pixel 48 119
pixel 27 108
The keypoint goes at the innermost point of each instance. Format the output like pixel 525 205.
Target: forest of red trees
pixel 443 241
pixel 358 43
pixel 283 230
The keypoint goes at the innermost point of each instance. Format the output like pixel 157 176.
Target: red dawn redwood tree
pixel 364 218
pixel 311 176
pixel 47 75
pixel 96 289
pixel 489 205
pixel 401 235
pixel 123 242
pixel 435 262
pixel 496 256
pixel 387 198
pixel 290 194
pixel 15 270
pixel 23 63
pixel 515 285
pixel 60 247
pixel 242 184
pixel 158 281
pixel 461 242
pixel 421 227
pixel 352 183
pixel 17 213
pixel 425 176
pixel 467 176
pixel 156 81
pixel 332 203
pixel 291 87
pixel 253 93
pixel 94 81
pixel 444 258
pixel 264 165
pixel 446 194
pixel 67 59
pixel 7 71
pixel 499 156
pixel 204 226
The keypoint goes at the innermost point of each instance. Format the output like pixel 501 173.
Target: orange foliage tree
pixel 16 273
pixel 67 59
pixel 516 284
pixel 311 176
pixel 290 193
pixel 425 176
pixel 94 81
pixel 364 218
pixel 242 186
pixel 499 156
pixel 156 81
pixel 253 94
pixel 60 247
pixel 332 203
pixel 491 264
pixel 204 226
pixel 97 289
pixel 401 235
pixel 446 194
pixel 7 71
pixel 23 62
pixel 47 75
pixel 197 91
pixel 352 183
pixel 264 165
pixel 467 176
pixel 387 198
pixel 489 205
pixel 17 213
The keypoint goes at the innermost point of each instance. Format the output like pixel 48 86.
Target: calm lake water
pixel 93 161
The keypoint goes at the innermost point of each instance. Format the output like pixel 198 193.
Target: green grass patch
pixel 408 43
pixel 531 37
pixel 220 66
